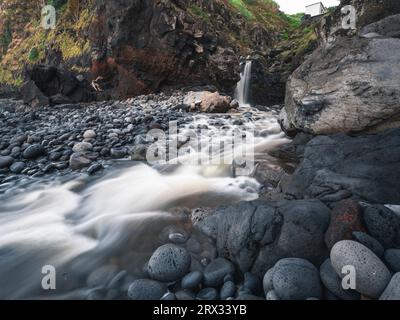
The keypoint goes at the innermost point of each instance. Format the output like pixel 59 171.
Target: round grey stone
pixel 392 291
pixel 89 134
pixel 169 263
pixel 272 296
pixel 102 276
pixel 17 167
pixel 6 161
pixel 252 282
pixel 228 290
pixel 392 258
pixel 333 282
pixel 296 279
pixel 372 276
pixel 146 289
pixel 34 151
pixel 82 147
pixel 78 161
pixel 267 281
pixel 192 280
pixel 216 271
pixel 369 242
pixel 208 294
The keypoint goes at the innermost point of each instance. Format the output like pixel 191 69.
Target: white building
pixel 315 9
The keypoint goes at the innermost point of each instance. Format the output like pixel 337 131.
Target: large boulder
pixel 348 86
pixel 209 102
pixel 256 235
pixel 338 167
pixel 350 83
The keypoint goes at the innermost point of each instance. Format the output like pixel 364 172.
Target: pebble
pixel 89 134
pixel 296 279
pixel 145 289
pixel 17 167
pixel 192 280
pixel 272 296
pixel 208 294
pixel 33 151
pixel 372 276
pixel 216 271
pixel 82 147
pixel 169 263
pixel 78 161
pixel 333 282
pixel 227 290
pixel 253 283
pixel 369 242
pixel 267 281
pixel 392 258
pixel 392 291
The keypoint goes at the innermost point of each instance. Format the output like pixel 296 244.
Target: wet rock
pixel 146 289
pixel 139 152
pixel 216 271
pixel 185 295
pixel 101 276
pixel 118 153
pixel 392 258
pixel 192 280
pixel 6 161
pixel 392 291
pixel 333 282
pixel 346 217
pixel 267 281
pixel 256 235
pixel 383 224
pixel 370 243
pixel 339 167
pixel 227 290
pixel 252 283
pixel 372 276
pixel 89 134
pixel 33 151
pixel 169 263
pixel 272 296
pixel 296 279
pixel 17 167
pixel 82 147
pixel 208 294
pixel 79 161
pixel 94 168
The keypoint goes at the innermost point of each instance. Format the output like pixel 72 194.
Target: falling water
pixel 243 86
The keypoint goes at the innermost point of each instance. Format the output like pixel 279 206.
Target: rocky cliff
pixel 351 82
pixel 133 47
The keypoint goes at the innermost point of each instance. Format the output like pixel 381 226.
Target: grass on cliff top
pixel 30 40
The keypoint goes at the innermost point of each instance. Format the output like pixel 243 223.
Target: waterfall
pixel 243 86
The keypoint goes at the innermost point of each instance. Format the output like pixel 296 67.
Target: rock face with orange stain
pixel 346 218
pixel 143 46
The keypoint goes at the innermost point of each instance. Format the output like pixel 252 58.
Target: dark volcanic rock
pixel 169 263
pixel 339 167
pixel 146 290
pixel 383 224
pixel 34 151
pixel 256 235
pixel 346 217
pixel 296 279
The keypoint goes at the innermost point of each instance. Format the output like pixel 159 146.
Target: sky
pixel 296 6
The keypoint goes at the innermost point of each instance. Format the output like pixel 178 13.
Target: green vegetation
pixel 26 42
pixel 199 12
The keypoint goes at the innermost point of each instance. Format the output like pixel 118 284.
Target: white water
pixel 243 86
pixel 119 216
